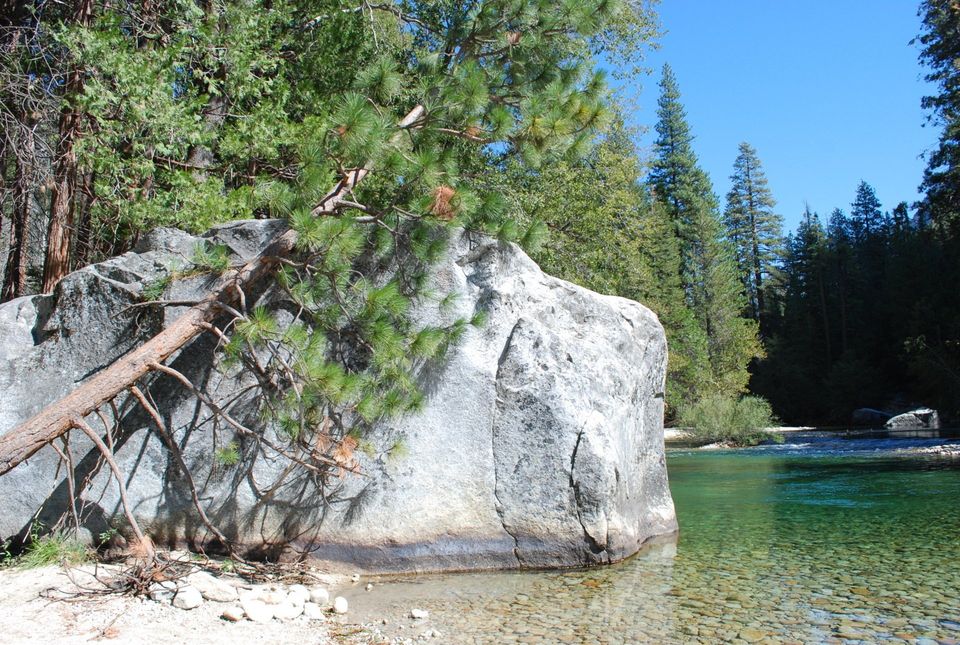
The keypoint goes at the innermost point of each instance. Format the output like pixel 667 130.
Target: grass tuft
pixel 55 548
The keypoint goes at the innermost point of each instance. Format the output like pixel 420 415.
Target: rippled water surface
pixel 822 539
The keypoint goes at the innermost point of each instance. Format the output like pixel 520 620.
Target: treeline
pixel 865 315
pixel 866 309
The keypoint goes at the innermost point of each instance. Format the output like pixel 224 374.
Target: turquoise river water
pixel 823 539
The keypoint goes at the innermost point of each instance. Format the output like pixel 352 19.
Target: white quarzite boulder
pixel 919 419
pixel 212 588
pixel 187 598
pixel 540 444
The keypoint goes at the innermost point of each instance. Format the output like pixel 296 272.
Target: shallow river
pixel 822 539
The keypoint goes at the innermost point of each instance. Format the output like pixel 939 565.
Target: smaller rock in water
pixel 257 610
pixel 369 586
pixel 419 614
pixel 187 598
pixel 233 614
pixel 163 591
pixel 313 611
pixel 320 596
pixel 340 605
pixel 287 611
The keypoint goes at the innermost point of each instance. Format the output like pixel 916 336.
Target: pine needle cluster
pixel 493 81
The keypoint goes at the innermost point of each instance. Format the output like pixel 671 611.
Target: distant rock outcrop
pixel 919 419
pixel 540 445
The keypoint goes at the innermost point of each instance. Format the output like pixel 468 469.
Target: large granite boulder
pixel 540 445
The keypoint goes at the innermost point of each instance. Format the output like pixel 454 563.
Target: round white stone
pixel 320 596
pixel 287 611
pixel 258 611
pixel 313 611
pixel 187 598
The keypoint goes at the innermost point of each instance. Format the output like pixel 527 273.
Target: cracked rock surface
pixel 540 445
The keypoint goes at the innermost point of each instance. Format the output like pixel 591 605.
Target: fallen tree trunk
pixel 59 417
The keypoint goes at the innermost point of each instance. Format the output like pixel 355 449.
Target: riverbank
pixel 684 438
pixel 71 606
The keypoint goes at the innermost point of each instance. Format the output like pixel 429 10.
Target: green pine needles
pixel 481 84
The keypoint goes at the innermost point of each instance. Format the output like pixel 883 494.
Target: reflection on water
pixel 823 539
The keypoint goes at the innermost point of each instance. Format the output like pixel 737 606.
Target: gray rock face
pixel 541 443
pixel 919 419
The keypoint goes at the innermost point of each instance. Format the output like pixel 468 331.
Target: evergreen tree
pixel 900 219
pixel 840 247
pixel 800 355
pixel 708 270
pixel 940 42
pixel 753 228
pixel 866 216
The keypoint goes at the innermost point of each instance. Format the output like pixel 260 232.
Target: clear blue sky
pixel 827 91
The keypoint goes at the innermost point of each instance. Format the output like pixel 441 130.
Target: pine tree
pixel 676 179
pixel 940 42
pixel 708 270
pixel 753 228
pixel 839 259
pixel 866 217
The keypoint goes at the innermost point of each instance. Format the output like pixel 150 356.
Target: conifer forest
pixel 494 115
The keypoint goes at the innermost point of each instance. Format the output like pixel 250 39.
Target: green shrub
pixel 722 418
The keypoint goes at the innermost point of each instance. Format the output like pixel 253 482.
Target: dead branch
pixel 178 456
pixel 143 541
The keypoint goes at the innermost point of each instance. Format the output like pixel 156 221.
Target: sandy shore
pixel 38 606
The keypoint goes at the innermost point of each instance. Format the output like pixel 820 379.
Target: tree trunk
pixel 59 417
pixel 15 275
pixel 63 203
pixel 82 254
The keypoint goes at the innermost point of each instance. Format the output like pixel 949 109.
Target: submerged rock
pixel 540 444
pixel 919 419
